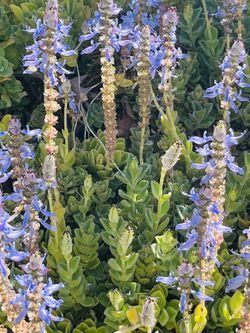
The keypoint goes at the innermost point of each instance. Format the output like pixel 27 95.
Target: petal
pixel 235 283
pixel 201 282
pixel 201 296
pixel 90 49
pixel 183 302
pixel 168 280
pixel 183 226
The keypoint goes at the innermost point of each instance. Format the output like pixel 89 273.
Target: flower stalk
pixel 143 67
pixel 108 77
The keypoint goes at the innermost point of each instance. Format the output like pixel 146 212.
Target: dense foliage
pixel 136 196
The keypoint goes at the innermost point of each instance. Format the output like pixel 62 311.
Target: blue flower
pixel 192 238
pixel 37 59
pixel 14 254
pixel 237 282
pixel 232 67
pixel 183 302
pixel 201 282
pixel 46 303
pixel 200 141
pixel 168 280
pixel 201 296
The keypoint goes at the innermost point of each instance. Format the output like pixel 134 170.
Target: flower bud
pixel 116 299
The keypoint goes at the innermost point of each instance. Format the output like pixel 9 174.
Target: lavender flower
pixel 36 300
pixel 206 223
pixel 170 54
pixel 205 228
pixel 184 278
pixel 94 27
pixel 232 67
pixel 49 37
pixel 229 12
pixel 38 296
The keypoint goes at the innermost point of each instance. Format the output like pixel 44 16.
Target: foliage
pixel 116 219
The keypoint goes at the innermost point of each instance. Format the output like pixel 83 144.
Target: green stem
pixel 51 207
pixel 207 19
pixel 66 133
pixel 169 119
pixel 53 220
pixel 203 277
pixel 142 145
pixel 163 174
pixel 228 41
pixel 240 20
pixel 186 319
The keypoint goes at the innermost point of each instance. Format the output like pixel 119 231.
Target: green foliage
pixel 115 222
pixel 86 242
pixel 192 26
pixel 88 326
pixel 227 311
pixel 146 268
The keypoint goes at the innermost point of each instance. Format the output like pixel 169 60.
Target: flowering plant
pixel 124 171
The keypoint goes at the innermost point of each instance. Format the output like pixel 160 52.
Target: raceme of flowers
pixel 20 236
pixel 233 67
pixel 230 11
pixel 205 228
pixel 49 37
pixel 147 34
pixel 209 200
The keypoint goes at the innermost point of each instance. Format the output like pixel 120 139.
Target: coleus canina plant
pixel 148 33
pixel 30 306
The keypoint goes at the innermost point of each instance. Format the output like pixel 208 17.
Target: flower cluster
pixel 143 66
pixel 243 278
pixel 185 277
pixel 168 53
pixel 109 41
pixel 206 224
pixel 232 67
pixel 49 38
pixel 205 228
pixel 230 12
pixel 93 27
pixel 35 297
pixel 20 233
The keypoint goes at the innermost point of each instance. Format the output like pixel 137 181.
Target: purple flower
pixel 232 67
pixel 183 302
pixel 38 59
pixel 190 242
pixel 201 296
pixel 199 166
pixel 201 141
pixel 46 303
pixel 168 280
pixel 201 282
pixel 237 282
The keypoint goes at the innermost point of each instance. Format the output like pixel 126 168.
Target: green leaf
pixel 18 12
pixel 156 189
pixel 236 301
